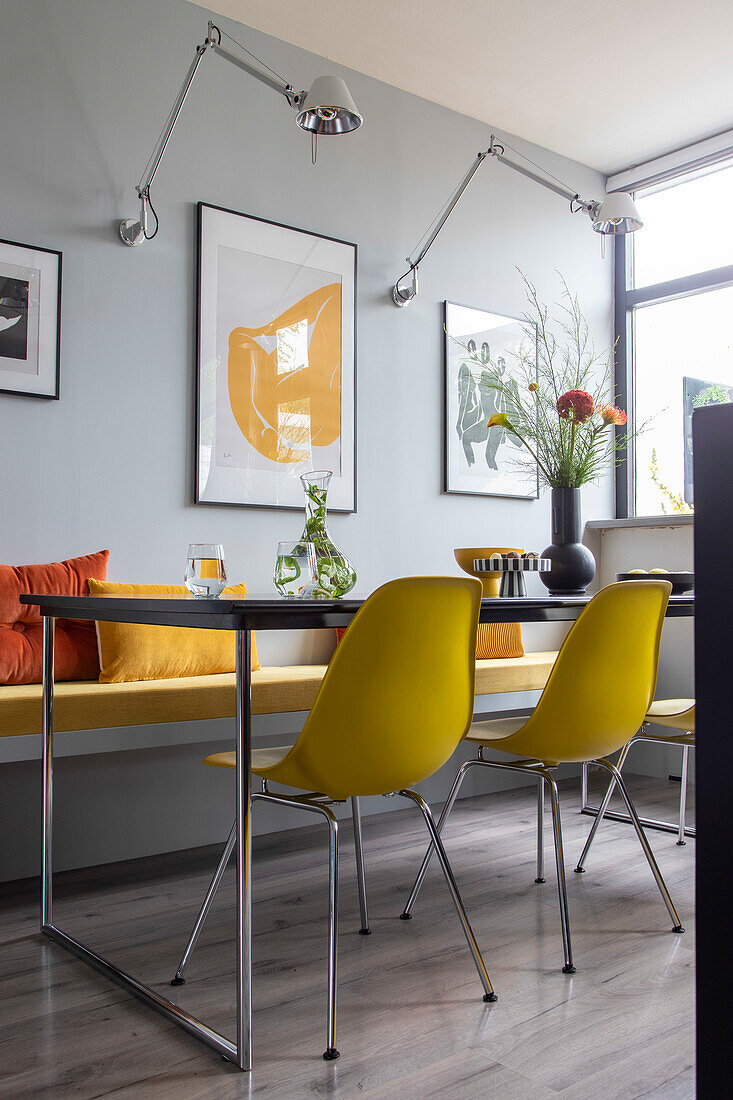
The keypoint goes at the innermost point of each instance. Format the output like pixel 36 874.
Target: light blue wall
pixel 84 88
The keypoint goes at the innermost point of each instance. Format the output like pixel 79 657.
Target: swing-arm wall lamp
pixel 326 109
pixel 616 213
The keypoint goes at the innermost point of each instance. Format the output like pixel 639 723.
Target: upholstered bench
pixel 89 705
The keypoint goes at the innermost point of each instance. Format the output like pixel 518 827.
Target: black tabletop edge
pixel 279 612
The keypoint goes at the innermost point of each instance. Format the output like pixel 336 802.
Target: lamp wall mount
pixel 326 109
pixel 615 214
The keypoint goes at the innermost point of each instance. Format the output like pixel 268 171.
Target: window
pixel 674 317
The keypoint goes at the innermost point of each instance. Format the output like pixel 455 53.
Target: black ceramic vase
pixel 573 565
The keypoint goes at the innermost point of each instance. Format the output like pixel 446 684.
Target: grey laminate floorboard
pixel 412 1022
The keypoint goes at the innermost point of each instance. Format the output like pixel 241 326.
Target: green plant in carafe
pixel 335 575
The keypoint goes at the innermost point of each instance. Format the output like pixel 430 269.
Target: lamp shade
pixel 328 108
pixel 617 214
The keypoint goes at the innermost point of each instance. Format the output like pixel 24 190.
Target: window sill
pixel 685 520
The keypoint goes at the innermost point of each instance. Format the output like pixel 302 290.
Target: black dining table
pixel 242 616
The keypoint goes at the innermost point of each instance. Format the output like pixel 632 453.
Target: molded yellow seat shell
pixel 89 705
pixel 397 697
pixel 601 685
pixel 677 713
pixel 261 758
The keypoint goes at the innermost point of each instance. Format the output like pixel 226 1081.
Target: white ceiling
pixel 609 83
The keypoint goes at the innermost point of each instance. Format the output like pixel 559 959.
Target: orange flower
pixel 611 414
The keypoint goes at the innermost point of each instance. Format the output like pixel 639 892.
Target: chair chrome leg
pixel 644 843
pixel 562 889
pixel 452 796
pixel 365 930
pixel 303 802
pixel 683 794
pixel 180 975
pixel 580 869
pixel 330 1054
pixel 540 832
pixel 489 994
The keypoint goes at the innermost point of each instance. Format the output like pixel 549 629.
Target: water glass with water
pixel 206 572
pixel 295 568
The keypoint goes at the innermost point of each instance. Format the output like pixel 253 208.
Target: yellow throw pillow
pixel 499 640
pixel 130 651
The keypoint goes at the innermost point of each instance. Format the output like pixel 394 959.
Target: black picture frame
pixel 448 486
pixel 42 329
pixel 201 291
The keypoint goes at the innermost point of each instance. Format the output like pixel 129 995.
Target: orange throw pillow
pixel 21 628
pixel 499 640
pixel 135 651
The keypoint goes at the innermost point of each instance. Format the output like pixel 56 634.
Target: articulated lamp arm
pixel 403 294
pixel 327 108
pixel 616 214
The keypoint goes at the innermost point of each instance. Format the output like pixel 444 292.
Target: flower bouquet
pixel 559 404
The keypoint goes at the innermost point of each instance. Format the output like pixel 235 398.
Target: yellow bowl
pixel 490 582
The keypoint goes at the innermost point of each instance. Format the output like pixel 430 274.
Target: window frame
pixel 626 300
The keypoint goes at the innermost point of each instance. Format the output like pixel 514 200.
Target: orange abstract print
pixel 289 399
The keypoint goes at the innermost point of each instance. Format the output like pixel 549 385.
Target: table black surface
pixel 281 613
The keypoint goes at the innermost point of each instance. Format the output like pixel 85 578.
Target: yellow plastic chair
pixel 594 701
pixel 396 700
pixel 674 714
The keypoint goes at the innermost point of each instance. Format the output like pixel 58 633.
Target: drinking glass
pixel 206 572
pixel 295 568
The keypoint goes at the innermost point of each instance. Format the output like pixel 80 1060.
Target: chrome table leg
pixel 144 993
pixel 583 787
pixel 244 848
pixel 49 625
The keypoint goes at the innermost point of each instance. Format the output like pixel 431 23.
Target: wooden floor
pixel 412 1022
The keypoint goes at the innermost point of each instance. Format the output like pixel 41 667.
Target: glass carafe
pixel 335 575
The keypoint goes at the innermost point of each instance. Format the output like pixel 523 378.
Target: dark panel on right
pixel 712 430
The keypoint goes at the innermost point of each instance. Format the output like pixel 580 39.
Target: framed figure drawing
pixel 479 460
pixel 30 320
pixel 276 362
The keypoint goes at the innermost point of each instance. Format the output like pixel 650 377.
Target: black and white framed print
pixel 477 459
pixel 30 320
pixel 276 362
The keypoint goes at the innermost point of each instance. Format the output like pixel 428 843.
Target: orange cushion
pixel 21 629
pixel 499 640
pixel 492 640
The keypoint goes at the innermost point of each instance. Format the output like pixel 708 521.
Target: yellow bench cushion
pixel 89 705
pixel 528 673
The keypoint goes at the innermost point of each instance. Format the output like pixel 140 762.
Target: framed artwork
pixel 30 320
pixel 479 460
pixel 276 373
